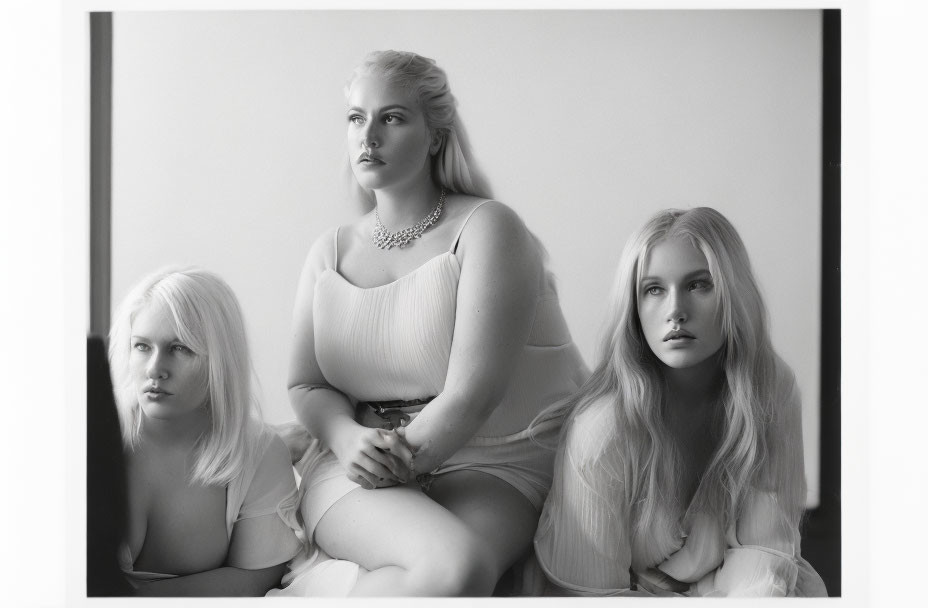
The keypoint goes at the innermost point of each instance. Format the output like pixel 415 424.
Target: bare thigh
pixel 393 526
pixel 497 513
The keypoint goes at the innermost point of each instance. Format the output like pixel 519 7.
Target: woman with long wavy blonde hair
pixel 680 465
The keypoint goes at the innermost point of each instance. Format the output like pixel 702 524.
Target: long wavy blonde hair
pixel 208 320
pixel 757 435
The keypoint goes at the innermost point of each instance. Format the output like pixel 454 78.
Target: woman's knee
pixel 459 566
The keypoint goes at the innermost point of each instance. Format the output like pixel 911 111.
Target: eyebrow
pixel 147 339
pixel 689 276
pixel 395 106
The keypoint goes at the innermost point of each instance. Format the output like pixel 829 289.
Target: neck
pixel 403 206
pixel 180 432
pixel 695 389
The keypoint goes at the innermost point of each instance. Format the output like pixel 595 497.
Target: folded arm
pixel 221 582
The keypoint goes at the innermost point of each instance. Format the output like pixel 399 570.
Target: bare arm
pixel 317 410
pixel 497 293
pixel 221 582
pixel 367 454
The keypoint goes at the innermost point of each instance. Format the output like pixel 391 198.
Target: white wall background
pixel 228 147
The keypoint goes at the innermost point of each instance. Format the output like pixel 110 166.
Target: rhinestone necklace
pixel 385 239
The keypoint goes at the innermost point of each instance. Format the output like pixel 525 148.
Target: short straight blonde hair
pixel 207 318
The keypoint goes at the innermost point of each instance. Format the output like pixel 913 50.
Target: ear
pixel 435 142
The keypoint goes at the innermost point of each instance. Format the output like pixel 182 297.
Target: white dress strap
pixel 335 249
pixel 454 244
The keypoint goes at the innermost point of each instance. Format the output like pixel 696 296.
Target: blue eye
pixel 653 290
pixel 356 119
pixel 391 118
pixel 700 285
pixel 180 348
pixel 141 346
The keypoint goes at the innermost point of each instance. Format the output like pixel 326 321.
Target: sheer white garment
pixel 265 489
pixel 584 538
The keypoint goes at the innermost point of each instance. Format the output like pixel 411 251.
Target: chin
pixel 158 411
pixel 370 181
pixel 682 360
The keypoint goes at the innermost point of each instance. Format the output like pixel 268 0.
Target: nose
pixel 676 312
pixel 156 369
pixel 369 138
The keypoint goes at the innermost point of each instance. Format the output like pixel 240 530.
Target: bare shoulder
pixel 322 252
pixel 486 213
pixel 490 223
pixel 321 247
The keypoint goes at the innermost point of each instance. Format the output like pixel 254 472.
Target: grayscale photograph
pixel 480 303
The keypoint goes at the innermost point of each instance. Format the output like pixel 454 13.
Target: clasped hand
pixel 377 458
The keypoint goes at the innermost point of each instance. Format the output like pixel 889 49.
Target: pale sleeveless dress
pixel 393 342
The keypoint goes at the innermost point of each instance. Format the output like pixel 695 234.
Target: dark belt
pixel 392 412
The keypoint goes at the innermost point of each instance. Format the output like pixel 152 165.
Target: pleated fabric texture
pixel 393 342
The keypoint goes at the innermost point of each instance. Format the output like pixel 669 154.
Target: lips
pixel 367 159
pixel 154 390
pixel 678 334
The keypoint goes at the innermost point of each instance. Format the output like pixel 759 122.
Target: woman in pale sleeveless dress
pixel 419 360
pixel 212 503
pixel 680 468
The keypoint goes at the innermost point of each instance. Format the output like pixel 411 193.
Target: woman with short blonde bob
pixel 211 495
pixel 680 465
pixel 427 336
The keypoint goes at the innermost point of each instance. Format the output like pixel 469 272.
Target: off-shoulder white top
pixel 584 538
pixel 263 490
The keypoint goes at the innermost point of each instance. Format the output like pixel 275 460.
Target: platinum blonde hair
pixel 453 167
pixel 757 433
pixel 208 320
